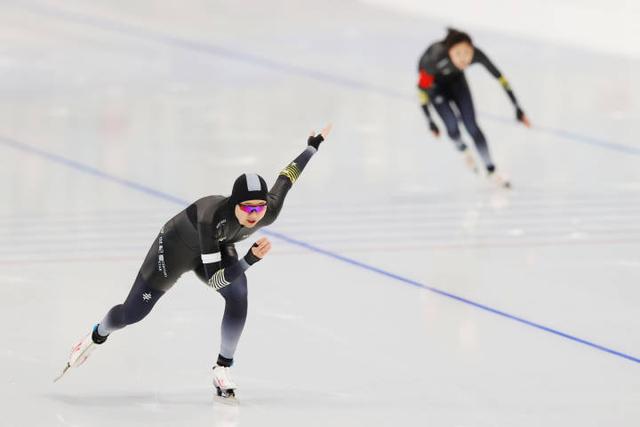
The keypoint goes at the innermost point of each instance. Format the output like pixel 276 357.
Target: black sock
pixel 96 337
pixel 223 361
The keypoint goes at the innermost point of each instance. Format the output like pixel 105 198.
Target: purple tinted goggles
pixel 253 208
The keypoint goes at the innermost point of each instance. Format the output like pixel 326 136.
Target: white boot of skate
pixel 225 387
pixel 80 352
pixel 469 160
pixel 499 180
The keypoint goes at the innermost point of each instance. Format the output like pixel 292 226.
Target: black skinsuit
pixel 442 83
pixel 189 242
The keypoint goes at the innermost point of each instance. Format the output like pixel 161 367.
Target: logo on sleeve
pixel 220 232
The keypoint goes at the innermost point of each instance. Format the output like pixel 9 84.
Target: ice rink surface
pixel 402 289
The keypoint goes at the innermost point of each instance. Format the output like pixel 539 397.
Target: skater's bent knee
pixel 237 290
pixel 454 133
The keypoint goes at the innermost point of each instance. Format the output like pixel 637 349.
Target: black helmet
pixel 248 186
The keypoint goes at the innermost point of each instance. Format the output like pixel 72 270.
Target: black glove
pixel 314 141
pixel 519 113
pixel 250 258
pixel 434 128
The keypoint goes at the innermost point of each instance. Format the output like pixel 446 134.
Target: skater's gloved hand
pixel 434 128
pixel 258 251
pixel 521 117
pixel 315 140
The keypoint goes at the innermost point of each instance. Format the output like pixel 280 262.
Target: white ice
pixel 114 113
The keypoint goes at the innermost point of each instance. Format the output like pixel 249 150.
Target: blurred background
pixel 402 289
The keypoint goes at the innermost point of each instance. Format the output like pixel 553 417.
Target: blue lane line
pixel 212 50
pixel 584 139
pixel 573 136
pixel 445 294
pixel 9 142
pixel 255 60
pixel 89 170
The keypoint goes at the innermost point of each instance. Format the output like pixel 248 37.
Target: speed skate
pixel 225 387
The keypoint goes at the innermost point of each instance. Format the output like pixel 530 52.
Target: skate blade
pixel 505 184
pixel 64 371
pixel 226 396
pixel 471 165
pixel 501 183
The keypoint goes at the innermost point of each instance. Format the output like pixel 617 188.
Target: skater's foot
pixel 81 351
pixel 499 180
pixel 225 387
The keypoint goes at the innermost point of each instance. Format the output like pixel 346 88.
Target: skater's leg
pixel 464 102
pixel 441 104
pixel 138 304
pixel 233 320
pixel 235 315
pixel 166 260
pixel 235 309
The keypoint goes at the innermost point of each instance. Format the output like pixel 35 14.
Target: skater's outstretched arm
pixel 290 174
pixel 480 57
pixel 224 276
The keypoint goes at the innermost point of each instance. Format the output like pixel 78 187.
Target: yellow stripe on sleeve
pixel 292 172
pixel 424 97
pixel 504 82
